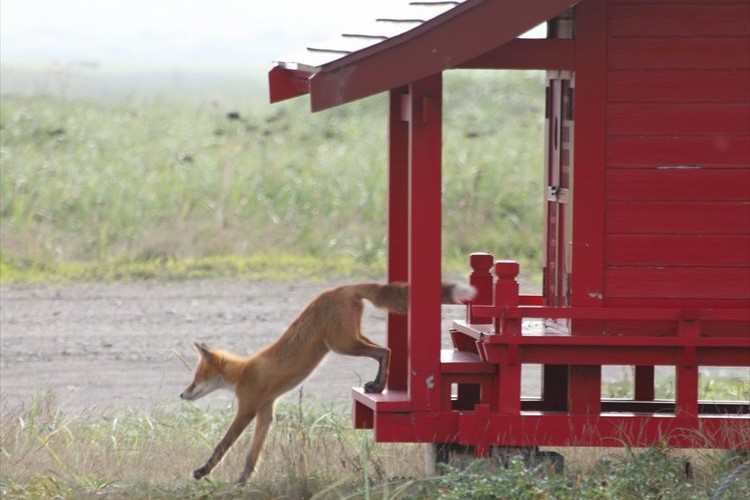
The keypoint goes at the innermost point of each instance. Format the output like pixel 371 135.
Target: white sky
pixel 171 31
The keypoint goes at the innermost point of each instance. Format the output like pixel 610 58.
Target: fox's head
pixel 209 374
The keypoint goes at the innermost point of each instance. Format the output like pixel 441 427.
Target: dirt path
pixel 113 345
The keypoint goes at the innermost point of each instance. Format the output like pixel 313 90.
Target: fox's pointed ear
pixel 202 349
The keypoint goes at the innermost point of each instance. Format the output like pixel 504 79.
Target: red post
pixel 509 326
pixel 425 191
pixel 584 385
pixel 481 279
pixel 686 373
pixel 398 231
pixel 506 296
pixel 590 138
pixel 585 389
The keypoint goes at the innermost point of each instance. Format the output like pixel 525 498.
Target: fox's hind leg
pixel 383 356
pixel 362 346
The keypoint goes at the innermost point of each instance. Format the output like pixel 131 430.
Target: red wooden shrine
pixel 647 236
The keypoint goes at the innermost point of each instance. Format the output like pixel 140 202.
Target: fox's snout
pixel 189 393
pixel 197 390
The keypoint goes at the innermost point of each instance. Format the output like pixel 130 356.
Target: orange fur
pixel 331 322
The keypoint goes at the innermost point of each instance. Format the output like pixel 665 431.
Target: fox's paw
pixel 373 388
pixel 201 473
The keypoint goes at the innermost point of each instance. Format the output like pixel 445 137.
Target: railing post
pixel 508 324
pixel 506 296
pixel 481 279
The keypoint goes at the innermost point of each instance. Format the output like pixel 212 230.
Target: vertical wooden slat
pixel 555 387
pixel 644 383
pixel 425 133
pixel 585 389
pixel 398 231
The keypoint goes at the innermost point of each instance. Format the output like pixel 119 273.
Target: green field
pixel 168 185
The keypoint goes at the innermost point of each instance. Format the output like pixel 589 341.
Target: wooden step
pixel 455 361
pixel 387 401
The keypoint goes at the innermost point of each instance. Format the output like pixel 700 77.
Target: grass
pixel 47 454
pixel 124 184
pixel 278 267
pixel 310 453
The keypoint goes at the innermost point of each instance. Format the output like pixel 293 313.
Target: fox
pixel 331 322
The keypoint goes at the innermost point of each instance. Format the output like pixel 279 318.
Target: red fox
pixel 330 322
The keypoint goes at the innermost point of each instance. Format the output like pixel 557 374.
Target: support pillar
pixel 424 205
pixel 398 230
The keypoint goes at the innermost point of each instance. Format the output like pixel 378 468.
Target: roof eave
pixel 449 40
pixel 285 83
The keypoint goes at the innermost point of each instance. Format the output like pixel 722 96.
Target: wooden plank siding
pixel 683 250
pixel 679 183
pixel 681 119
pixel 710 151
pixel 678 283
pixel 678 153
pixel 673 2
pixel 691 19
pixel 677 218
pixel 685 86
pixel 678 53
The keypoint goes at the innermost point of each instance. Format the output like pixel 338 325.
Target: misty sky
pixel 171 31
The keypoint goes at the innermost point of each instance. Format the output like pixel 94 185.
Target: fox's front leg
pixel 262 425
pixel 241 420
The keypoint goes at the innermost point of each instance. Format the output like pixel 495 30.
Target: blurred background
pixel 137 141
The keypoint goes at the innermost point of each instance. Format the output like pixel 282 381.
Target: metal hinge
pixel 558 194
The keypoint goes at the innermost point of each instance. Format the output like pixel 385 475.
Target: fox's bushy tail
pixel 395 296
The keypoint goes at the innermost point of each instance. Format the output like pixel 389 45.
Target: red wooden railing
pixel 480 378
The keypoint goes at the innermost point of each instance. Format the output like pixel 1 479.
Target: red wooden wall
pixel 677 161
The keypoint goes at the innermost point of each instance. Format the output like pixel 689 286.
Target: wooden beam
pixel 287 83
pixel 522 53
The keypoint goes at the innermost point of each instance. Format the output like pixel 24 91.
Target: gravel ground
pixel 116 345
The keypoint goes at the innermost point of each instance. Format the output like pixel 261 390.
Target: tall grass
pixel 155 180
pixel 310 453
pixel 46 453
